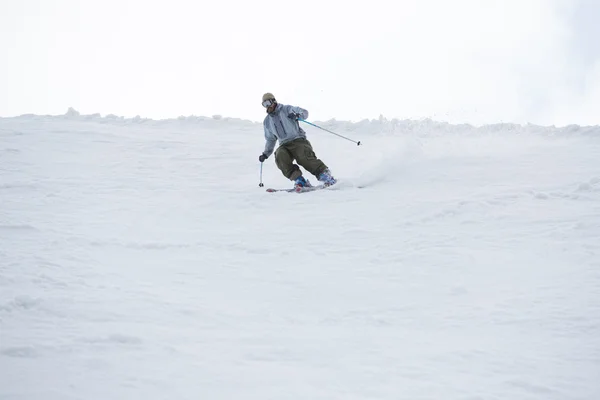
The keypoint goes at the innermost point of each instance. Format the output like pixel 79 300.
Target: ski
pixel 302 190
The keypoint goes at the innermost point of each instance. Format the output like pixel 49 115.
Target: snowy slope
pixel 139 259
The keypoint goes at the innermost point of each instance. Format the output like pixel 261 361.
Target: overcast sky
pixel 476 61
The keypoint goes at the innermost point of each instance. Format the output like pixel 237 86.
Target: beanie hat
pixel 268 96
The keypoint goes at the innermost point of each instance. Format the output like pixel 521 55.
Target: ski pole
pixel 261 182
pixel 317 126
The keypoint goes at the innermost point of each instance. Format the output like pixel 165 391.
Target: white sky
pixel 473 61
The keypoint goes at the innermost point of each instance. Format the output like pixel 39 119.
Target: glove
pixel 262 157
pixel 293 116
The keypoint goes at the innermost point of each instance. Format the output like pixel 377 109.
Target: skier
pixel 281 123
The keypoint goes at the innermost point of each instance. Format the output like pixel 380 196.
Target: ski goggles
pixel 268 103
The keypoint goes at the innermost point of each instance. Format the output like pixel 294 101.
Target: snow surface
pixel 139 259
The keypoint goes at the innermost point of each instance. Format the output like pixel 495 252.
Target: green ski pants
pixel 300 150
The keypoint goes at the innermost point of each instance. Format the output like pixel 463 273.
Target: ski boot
pixel 300 183
pixel 327 178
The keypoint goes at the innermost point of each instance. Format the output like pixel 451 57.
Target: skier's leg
pixel 305 156
pixel 285 162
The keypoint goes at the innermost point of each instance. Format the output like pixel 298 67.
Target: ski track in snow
pixel 140 259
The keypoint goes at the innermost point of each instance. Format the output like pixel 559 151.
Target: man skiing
pixel 281 123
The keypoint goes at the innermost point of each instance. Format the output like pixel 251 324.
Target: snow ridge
pixel 381 125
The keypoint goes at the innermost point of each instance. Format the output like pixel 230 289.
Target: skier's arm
pixel 300 112
pixel 270 141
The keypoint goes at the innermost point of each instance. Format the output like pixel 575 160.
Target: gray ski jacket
pixel 279 127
